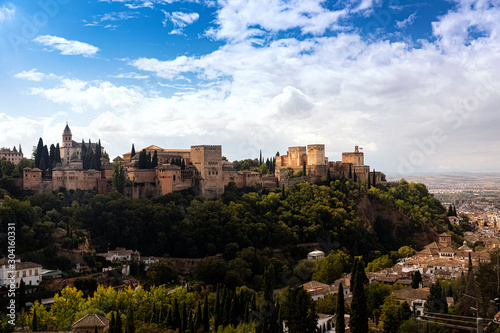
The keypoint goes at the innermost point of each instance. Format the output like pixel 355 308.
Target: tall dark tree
pixel 340 311
pixel 118 178
pixel 154 162
pixel 34 322
pixel 359 310
pixel 83 154
pixel 374 181
pixel 299 312
pixel 142 159
pixel 416 279
pixel 45 157
pixel 112 323
pixel 118 325
pixel 132 154
pixel 260 157
pixel 450 211
pixel 471 300
pixel 205 320
pixel 58 154
pixel 130 321
pixel 304 168
pixel 52 156
pixel 148 161
pixel 98 155
pixel 38 152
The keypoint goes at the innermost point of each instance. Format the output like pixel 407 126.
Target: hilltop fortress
pixel 201 168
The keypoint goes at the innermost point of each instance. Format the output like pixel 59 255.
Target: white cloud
pixel 67 47
pixel 407 21
pixel 455 29
pixel 131 75
pixel 7 12
pixel 180 20
pixel 240 19
pixel 135 4
pixel 343 90
pixel 83 96
pixel 111 17
pixel 34 75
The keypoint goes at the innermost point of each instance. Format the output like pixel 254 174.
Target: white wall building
pixel 29 272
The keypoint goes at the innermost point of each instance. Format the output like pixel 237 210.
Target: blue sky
pixel 415 83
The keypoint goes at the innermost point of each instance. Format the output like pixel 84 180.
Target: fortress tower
pixel 297 156
pixel 316 155
pixel 208 161
pixel 356 158
pixel 67 145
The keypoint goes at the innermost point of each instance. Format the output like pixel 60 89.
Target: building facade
pixel 13 155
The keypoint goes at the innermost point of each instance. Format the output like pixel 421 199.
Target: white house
pixel 120 253
pixel 29 272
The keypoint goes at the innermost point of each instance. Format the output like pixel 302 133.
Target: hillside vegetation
pixel 338 215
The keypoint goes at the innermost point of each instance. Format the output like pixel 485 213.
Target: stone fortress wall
pixel 204 171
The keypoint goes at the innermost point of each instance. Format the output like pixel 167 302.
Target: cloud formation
pixel 34 75
pixel 7 12
pixel 65 46
pixel 180 20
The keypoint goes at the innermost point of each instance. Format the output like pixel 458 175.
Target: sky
pixel 416 84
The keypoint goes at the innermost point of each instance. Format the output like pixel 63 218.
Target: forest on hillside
pixel 183 225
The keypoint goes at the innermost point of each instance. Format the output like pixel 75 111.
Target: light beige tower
pixel 316 154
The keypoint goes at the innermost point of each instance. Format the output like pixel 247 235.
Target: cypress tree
pixel 374 178
pixel 154 162
pixel 198 316
pixel 98 155
pixel 118 327
pixel 148 161
pixel 304 168
pixel 355 177
pixel 205 321
pixel 359 310
pixel 58 154
pixel 260 157
pixel 130 323
pixel 450 211
pixel 350 172
pixel 45 156
pixel 416 279
pixel 42 167
pixel 184 317
pixel 112 323
pixel 38 153
pixel 34 322
pixel 83 154
pixel 217 309
pixel 176 315
pixel 132 154
pixel 340 311
pixel 183 164
pixel 52 156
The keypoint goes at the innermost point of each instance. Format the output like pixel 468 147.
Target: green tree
pixel 340 311
pixel 379 263
pixel 130 321
pixel 416 279
pixel 66 305
pixel 359 312
pixel 118 178
pixel 331 267
pixel 393 314
pixel 34 322
pixel 263 169
pixel 161 272
pixel 298 311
